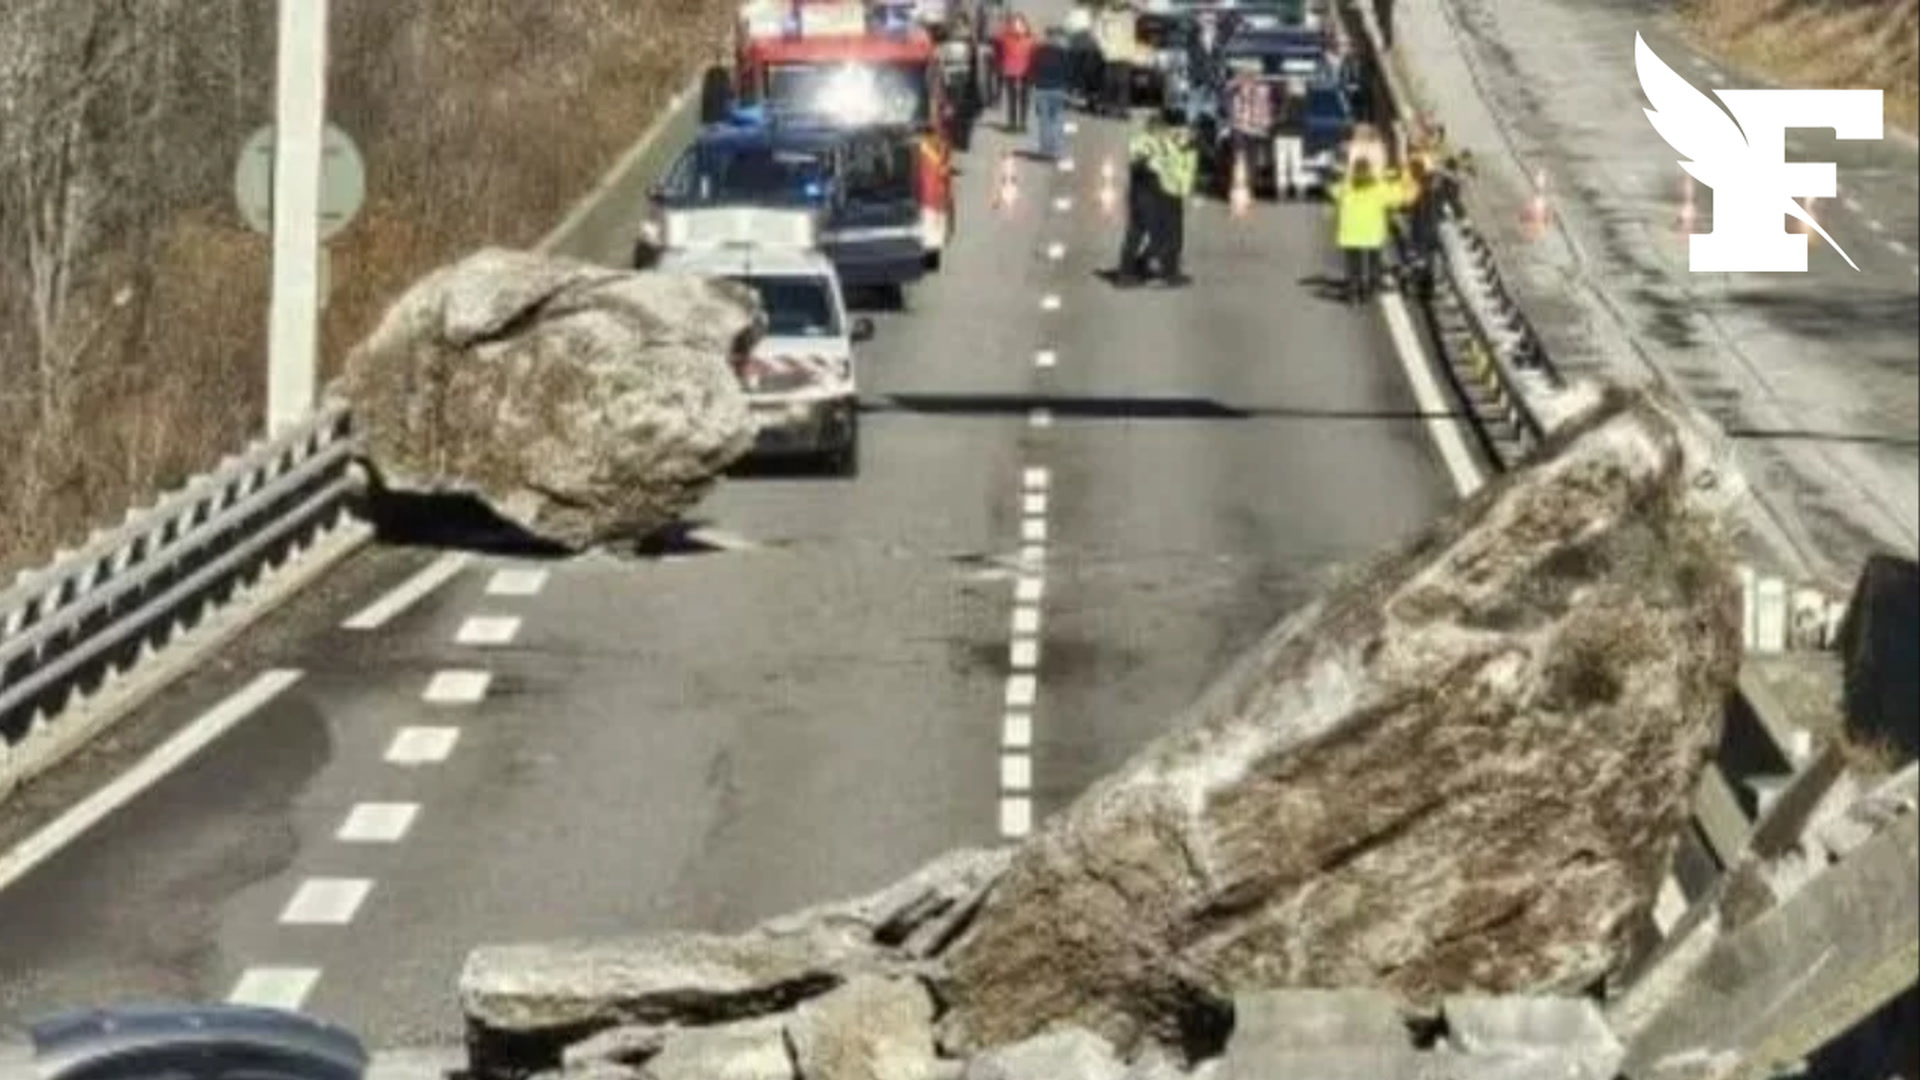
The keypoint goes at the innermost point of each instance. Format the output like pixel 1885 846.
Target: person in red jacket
pixel 1016 45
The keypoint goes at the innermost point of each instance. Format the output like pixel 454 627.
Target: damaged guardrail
pixel 72 629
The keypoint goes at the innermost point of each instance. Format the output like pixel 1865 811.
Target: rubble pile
pixel 584 405
pixel 1463 771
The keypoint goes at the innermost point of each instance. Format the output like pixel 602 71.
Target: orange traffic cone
pixel 1537 214
pixel 1109 194
pixel 1007 191
pixel 1240 196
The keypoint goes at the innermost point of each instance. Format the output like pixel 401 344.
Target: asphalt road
pixel 705 740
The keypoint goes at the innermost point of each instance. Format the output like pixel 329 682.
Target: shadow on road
pixel 450 521
pixel 1126 408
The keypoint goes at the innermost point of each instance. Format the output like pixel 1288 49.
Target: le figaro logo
pixel 1743 158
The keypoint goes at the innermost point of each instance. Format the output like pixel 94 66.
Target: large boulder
pixel 1464 770
pixel 583 405
pixel 531 1007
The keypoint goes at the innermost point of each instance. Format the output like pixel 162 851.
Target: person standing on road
pixel 1363 202
pixel 957 59
pixel 1136 241
pixel 1176 165
pixel 1051 76
pixel 1251 120
pixel 1119 47
pixel 1016 47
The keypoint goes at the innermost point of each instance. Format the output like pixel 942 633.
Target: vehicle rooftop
pixel 747 261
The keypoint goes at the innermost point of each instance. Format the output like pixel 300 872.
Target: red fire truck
pixel 830 64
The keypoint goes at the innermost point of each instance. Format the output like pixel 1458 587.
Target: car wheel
pixel 933 261
pixel 845 459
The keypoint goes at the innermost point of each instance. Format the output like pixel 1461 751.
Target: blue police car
pixel 859 181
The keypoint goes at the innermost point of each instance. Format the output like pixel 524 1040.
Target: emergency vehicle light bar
pixel 739 227
pixel 810 18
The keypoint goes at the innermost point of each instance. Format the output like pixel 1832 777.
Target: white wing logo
pixel 1704 133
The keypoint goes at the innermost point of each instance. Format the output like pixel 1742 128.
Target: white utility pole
pixel 300 120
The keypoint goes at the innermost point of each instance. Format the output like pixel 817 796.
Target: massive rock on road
pixel 1463 770
pixel 582 404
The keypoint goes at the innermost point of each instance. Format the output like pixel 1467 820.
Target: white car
pixel 801 380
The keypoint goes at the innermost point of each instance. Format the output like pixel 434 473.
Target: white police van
pixel 801 378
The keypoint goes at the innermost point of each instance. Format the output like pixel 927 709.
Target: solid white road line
pixel 326 901
pixel 1441 428
pixel 517 582
pixel 409 592
pixel 1017 732
pixel 1027 590
pixel 1034 503
pixel 489 630
pixel 378 823
pixel 457 687
pixel 1024 654
pixel 1016 772
pixel 1040 418
pixel 1026 621
pixel 1036 479
pixel 274 987
pixel 1033 530
pixel 422 745
pixel 1021 690
pixel 190 740
pixel 1045 358
pixel 1016 817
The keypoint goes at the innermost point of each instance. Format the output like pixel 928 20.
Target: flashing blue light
pixel 813 189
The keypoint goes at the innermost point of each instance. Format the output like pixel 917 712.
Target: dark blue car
pixel 859 181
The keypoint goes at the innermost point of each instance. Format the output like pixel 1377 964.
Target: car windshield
pixel 851 94
pixel 761 175
pixel 796 306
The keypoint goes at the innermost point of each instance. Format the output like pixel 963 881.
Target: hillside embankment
pixel 1825 43
pixel 133 299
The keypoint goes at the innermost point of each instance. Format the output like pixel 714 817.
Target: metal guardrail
pixel 69 629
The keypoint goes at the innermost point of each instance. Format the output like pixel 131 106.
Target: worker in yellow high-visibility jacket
pixel 1364 202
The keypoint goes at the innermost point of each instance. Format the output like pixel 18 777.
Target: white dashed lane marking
pixel 409 592
pixel 1021 691
pixel 1028 590
pixel 1036 479
pixel 1897 247
pixel 1056 251
pixel 1024 654
pixel 1016 817
pixel 1050 302
pixel 489 630
pixel 1040 418
pixel 1066 165
pixel 1026 621
pixel 1033 556
pixel 1874 224
pixel 1045 358
pixel 326 901
pixel 274 987
pixel 457 687
pixel 1852 204
pixel 1063 204
pixel 1034 503
pixel 1033 530
pixel 1071 127
pixel 517 583
pixel 1017 731
pixel 1016 772
pixel 378 823
pixel 170 755
pixel 422 745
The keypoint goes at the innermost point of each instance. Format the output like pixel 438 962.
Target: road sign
pixel 343 181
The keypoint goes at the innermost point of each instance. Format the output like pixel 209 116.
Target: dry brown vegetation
pixel 133 299
pixel 1869 44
